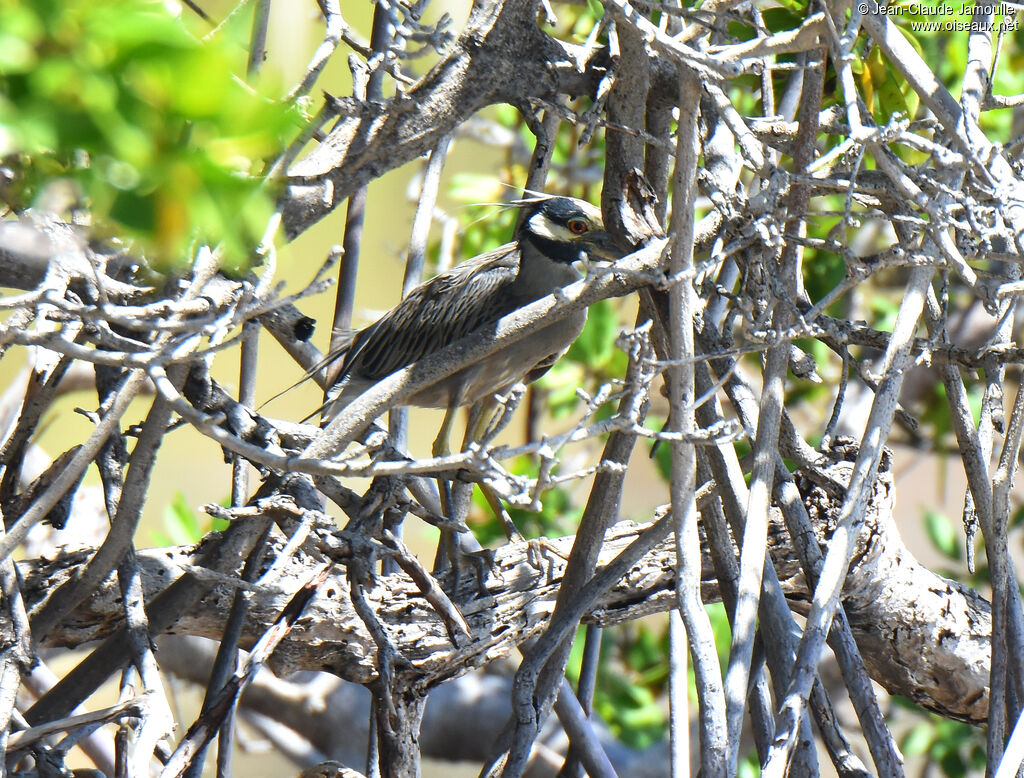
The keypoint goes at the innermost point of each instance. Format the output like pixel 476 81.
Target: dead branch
pixel 922 636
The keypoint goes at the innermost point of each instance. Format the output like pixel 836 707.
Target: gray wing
pixel 435 314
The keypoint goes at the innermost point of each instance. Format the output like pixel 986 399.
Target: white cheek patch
pixel 545 229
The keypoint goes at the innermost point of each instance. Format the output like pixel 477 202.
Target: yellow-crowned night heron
pixel 554 233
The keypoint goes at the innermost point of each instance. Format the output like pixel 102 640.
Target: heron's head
pixel 564 229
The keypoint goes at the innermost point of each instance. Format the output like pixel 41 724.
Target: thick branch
pixel 921 635
pixel 501 57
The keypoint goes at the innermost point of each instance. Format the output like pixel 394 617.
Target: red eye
pixel 578 226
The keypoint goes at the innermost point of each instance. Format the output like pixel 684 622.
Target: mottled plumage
pixel 473 296
pixel 436 313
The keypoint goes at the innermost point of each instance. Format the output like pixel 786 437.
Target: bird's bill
pixel 601 251
pixel 603 247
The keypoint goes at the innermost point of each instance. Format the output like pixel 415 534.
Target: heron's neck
pixel 540 275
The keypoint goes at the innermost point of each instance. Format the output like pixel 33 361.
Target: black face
pixel 563 228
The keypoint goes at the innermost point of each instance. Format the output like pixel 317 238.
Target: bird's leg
pixel 478 424
pixel 539 551
pixel 493 414
pixel 446 556
pixel 451 550
pixel 441 447
pixel 480 416
pixel 485 419
pixel 511 530
pixel 455 496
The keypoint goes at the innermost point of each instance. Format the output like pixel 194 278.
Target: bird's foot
pixel 481 563
pixel 540 555
pixel 484 566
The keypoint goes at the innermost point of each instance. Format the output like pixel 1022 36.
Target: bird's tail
pixel 319 365
pixel 319 411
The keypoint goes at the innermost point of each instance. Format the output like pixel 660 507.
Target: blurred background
pixel 485 158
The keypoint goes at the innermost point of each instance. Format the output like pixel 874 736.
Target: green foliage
pixel 954 747
pixel 182 526
pixel 749 766
pixel 633 676
pixel 785 16
pixel 943 535
pixel 631 710
pixel 662 452
pixel 487 227
pixel 932 30
pixel 558 514
pixel 474 189
pixel 1017 518
pixel 936 417
pixel 593 359
pixel 596 344
pixel 575 23
pixel 722 630
pixel 632 673
pixel 885 91
pixel 884 310
pixel 559 386
pixel 151 126
pixel 823 270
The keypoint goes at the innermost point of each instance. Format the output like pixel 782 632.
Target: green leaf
pixel 887 87
pixel 645 650
pixel 134 211
pixel 557 516
pixel 151 123
pixel 787 17
pixel 942 534
pixel 16 54
pixel 750 767
pixel 1017 518
pixel 181 522
pixel 918 740
pixel 953 765
pixel 596 344
pixel 662 451
pixel 560 385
